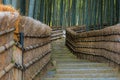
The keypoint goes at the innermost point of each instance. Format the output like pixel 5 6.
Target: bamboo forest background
pixel 95 14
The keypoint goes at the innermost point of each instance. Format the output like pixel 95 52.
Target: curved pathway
pixel 68 67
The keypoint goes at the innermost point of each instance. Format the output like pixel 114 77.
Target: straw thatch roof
pixel 32 27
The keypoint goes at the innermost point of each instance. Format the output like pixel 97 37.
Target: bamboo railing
pixel 57 33
pixel 97 45
pixel 6 69
pixel 36 47
pixel 6 49
pixel 27 59
pixel 6 45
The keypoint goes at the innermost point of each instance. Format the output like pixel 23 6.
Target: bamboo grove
pixel 95 14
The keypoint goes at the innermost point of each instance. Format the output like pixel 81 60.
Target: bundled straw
pixel 32 27
pixel 7 8
pixel 10 18
pixel 7 20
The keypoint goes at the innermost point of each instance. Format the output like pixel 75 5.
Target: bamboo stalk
pixel 37 36
pixel 35 60
pixel 6 69
pixel 18 45
pixel 35 46
pixel 43 66
pixel 6 31
pixel 92 46
pixel 57 34
pixel 55 38
pixel 6 46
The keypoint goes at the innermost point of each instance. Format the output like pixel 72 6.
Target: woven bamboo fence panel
pixel 98 43
pixel 36 53
pixel 7 22
pixel 56 34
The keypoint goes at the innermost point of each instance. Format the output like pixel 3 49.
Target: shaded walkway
pixel 68 67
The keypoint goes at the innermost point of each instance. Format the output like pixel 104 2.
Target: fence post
pixel 22 39
pixel 17 57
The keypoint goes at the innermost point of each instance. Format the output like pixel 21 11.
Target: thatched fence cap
pixel 7 20
pixel 32 27
pixel 112 30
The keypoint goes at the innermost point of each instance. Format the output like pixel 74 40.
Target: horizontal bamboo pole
pixel 76 50
pixel 57 34
pixel 6 69
pixel 43 66
pixel 55 38
pixel 6 46
pixel 71 47
pixel 18 45
pixel 80 46
pixel 37 36
pixel 113 30
pixel 6 31
pixel 57 31
pixel 36 46
pixel 36 59
pixel 98 40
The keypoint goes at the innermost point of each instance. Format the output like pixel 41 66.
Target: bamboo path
pixel 68 67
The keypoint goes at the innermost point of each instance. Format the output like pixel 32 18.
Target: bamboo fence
pixel 56 34
pixel 7 22
pixel 23 62
pixel 36 53
pixel 97 45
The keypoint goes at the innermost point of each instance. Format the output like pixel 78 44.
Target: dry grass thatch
pixel 7 20
pixel 9 8
pixel 112 30
pixel 34 41
pixel 32 27
pixel 14 14
pixel 9 17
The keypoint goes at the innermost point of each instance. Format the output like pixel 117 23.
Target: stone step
pixel 83 71
pixel 59 50
pixel 63 54
pixel 80 64
pixel 97 75
pixel 71 61
pixel 82 78
pixel 84 67
pixel 60 55
pixel 68 67
pixel 63 59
